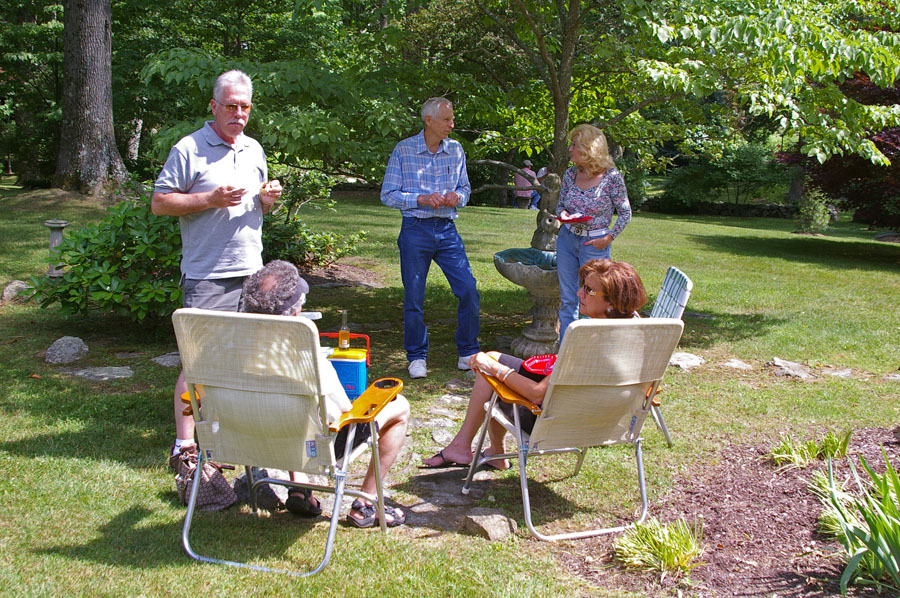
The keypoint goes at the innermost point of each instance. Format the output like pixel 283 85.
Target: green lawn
pixel 89 509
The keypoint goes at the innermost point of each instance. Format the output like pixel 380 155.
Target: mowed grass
pixel 89 509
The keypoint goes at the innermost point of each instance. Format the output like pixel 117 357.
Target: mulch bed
pixel 759 527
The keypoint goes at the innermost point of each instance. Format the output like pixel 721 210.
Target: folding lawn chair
pixel 599 394
pixel 670 303
pixel 255 389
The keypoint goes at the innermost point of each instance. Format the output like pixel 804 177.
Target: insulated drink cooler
pixel 351 365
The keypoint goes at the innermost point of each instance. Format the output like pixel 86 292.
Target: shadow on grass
pixel 822 251
pixel 233 534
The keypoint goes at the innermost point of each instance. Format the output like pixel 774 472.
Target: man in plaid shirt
pixel 426 180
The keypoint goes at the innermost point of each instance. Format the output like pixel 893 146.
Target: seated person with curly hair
pixel 608 290
pixel 278 289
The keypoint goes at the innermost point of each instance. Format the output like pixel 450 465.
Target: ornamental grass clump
pixel 655 546
pixel 790 453
pixel 869 527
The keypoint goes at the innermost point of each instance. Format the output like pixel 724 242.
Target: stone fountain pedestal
pixel 536 271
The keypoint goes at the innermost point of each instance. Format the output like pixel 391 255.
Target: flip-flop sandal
pixel 300 502
pixel 370 515
pixel 445 462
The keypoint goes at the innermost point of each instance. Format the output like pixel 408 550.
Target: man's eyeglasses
pixel 588 290
pixel 234 107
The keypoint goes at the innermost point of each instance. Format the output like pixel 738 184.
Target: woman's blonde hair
pixel 591 142
pixel 620 284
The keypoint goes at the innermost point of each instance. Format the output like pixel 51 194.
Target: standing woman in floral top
pixel 593 188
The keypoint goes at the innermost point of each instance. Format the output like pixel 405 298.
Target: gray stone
pixel 888 237
pixel 442 436
pixel 492 524
pixel 892 377
pixel 737 364
pixel 13 292
pixel 838 372
pixel 66 350
pixel 435 422
pixel 453 399
pixel 455 385
pixel 100 374
pixel 169 360
pixel 128 354
pixel 443 412
pixel 791 369
pixel 686 361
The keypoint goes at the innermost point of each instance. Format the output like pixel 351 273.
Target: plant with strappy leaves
pixel 665 547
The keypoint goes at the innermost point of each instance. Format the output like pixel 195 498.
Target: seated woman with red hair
pixel 608 290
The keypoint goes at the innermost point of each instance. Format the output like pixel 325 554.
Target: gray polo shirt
pixel 218 242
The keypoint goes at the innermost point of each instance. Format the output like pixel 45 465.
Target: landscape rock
pixel 737 364
pixel 791 369
pixel 890 236
pixel 838 372
pixel 453 399
pixel 100 374
pixel 128 354
pixel 456 385
pixel 892 377
pixel 433 422
pixel 66 350
pixel 492 524
pixel 13 292
pixel 686 361
pixel 442 412
pixel 442 436
pixel 169 360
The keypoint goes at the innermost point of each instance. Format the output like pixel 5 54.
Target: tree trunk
pixel 88 160
pixel 133 142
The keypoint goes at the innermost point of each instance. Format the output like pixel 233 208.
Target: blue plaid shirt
pixel 413 170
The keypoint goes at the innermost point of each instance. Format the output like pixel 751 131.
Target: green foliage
pixel 287 237
pixel 655 546
pixel 814 214
pixel 790 453
pixel 126 264
pixel 870 527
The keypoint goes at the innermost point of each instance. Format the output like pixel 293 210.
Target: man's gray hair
pixel 232 78
pixel 277 289
pixel 432 105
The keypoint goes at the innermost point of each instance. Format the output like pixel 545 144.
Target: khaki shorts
pixel 220 294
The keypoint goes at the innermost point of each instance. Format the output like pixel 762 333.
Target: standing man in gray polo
pixel 215 181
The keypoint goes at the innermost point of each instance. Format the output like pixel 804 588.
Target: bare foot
pixel 501 464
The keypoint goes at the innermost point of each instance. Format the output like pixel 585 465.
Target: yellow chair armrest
pixel 186 399
pixel 370 403
pixel 509 395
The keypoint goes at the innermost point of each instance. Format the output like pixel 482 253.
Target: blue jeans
pixel 535 200
pixel 571 254
pixel 422 240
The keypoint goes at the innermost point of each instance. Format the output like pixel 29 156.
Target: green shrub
pixel 655 546
pixel 286 237
pixel 127 264
pixel 814 214
pixel 870 527
pixel 790 453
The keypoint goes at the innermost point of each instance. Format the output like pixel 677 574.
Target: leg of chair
pixel 661 422
pixel 379 490
pixel 332 530
pixel 641 481
pixel 473 464
pixel 250 492
pixel 581 454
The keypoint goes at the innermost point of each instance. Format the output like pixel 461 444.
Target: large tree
pixel 88 159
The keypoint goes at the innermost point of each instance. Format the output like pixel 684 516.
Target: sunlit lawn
pixel 88 508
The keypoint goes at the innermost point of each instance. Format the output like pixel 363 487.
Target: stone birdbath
pixel 535 269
